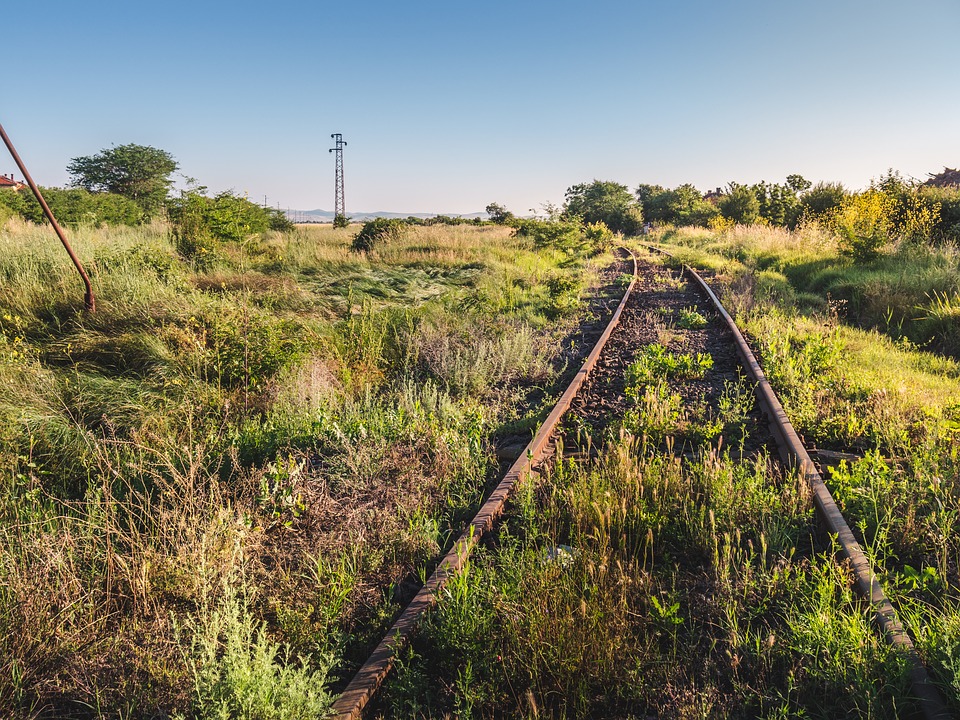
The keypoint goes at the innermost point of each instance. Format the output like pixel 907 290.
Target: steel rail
pixel 90 301
pixel 374 671
pixel 794 454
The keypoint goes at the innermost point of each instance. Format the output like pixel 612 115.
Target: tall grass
pixel 227 479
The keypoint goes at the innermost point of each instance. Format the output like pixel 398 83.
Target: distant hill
pixel 326 216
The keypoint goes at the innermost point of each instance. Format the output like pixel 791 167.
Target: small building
pixel 7 181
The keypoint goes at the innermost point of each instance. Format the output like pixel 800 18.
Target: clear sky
pixel 448 106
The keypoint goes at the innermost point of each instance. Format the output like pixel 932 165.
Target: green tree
pixel 138 172
pixel 740 204
pixel 779 204
pixel 607 202
pixel 798 183
pixel 683 205
pixel 499 214
pixel 656 203
pixel 687 206
pixel 823 198
pixel 646 193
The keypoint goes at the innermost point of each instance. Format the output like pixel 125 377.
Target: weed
pixel 656 413
pixel 691 319
pixel 239 672
pixel 655 362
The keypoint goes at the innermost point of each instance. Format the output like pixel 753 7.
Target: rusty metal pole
pixel 89 300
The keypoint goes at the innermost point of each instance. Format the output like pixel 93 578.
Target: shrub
pixel 917 218
pixel 73 206
pixel 5 212
pixel 863 223
pixel 240 673
pixel 192 235
pixel 948 199
pixel 378 232
pixel 550 233
pixel 233 218
pixel 279 221
pixel 201 222
pixel 598 237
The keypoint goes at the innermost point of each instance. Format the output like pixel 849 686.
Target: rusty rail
pixel 371 675
pixel 794 454
pixel 90 301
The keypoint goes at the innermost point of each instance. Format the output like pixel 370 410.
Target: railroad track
pixel 579 395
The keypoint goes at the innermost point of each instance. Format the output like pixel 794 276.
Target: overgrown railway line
pixel 598 393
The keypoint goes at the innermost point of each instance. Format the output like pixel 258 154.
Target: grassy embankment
pixel 872 391
pixel 218 487
pixel 693 588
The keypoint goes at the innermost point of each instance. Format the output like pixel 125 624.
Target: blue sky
pixel 448 106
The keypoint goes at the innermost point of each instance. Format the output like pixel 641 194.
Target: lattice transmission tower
pixel 339 203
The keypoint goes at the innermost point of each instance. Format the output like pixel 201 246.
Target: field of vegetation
pixel 688 584
pixel 219 489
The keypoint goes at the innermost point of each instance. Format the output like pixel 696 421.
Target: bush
pixel 201 222
pixel 377 232
pixel 279 221
pixel 561 234
pixel 598 237
pixel 73 206
pixel 863 223
pixel 948 199
pixel 5 212
pixel 239 672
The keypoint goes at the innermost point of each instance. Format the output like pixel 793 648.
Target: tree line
pixel 131 184
pixel 892 208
